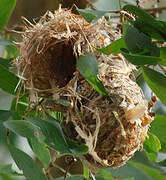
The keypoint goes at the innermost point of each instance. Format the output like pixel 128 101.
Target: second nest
pixel 47 66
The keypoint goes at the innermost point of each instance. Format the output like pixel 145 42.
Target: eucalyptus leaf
pixel 146 23
pixel 54 136
pixel 114 47
pixel 8 81
pixel 163 56
pixel 22 127
pixel 156 81
pixel 12 51
pixel 63 102
pixel 88 68
pixel 19 106
pixel 41 151
pixel 162 163
pixel 5 115
pixel 7 168
pixel 77 149
pixel 85 172
pixel 27 164
pixel 137 41
pixel 163 147
pixel 6 7
pixel 158 127
pixel 141 14
pixel 152 172
pixel 4 176
pixel 104 175
pixel 129 171
pixel 141 59
pixel 5 62
pixel 152 146
pixel 90 15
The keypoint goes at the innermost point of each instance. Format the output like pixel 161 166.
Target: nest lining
pixel 113 131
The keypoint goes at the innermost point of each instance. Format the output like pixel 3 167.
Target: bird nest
pixel 47 66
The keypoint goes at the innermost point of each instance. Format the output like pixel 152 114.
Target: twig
pixel 69 160
pixel 137 2
pixel 7 134
pixel 120 4
pixel 91 4
pixel 138 76
pixel 155 9
pixel 145 9
pixel 163 69
pixel 122 16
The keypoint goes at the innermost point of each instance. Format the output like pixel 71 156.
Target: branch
pixel 91 4
pixel 162 8
pixel 155 9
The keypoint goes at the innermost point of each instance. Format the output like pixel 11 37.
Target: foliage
pixel 45 133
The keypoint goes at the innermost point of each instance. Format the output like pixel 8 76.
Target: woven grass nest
pixel 47 67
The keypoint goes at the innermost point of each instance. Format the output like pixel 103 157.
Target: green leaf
pixel 87 65
pixel 88 68
pixel 91 15
pixel 19 106
pixel 74 148
pixel 163 56
pixel 141 14
pixel 54 136
pixel 146 23
pixel 4 42
pixel 141 59
pixel 22 127
pixel 5 62
pixel 8 81
pixel 125 28
pixel 163 147
pixel 162 163
pixel 153 173
pixel 158 127
pixel 7 169
pixel 27 164
pixel 85 172
pixel 57 115
pixel 152 156
pixel 129 171
pixel 137 41
pixel 4 176
pixel 114 47
pixel 12 51
pixel 6 7
pixel 154 30
pixel 5 115
pixel 77 149
pixel 152 146
pixel 104 175
pixel 63 102
pixel 73 177
pixel 41 151
pixel 156 81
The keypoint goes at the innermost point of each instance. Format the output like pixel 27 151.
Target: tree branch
pixel 162 8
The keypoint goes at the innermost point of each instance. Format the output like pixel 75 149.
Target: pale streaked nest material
pixel 47 67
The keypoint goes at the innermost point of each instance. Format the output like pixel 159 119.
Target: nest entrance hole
pixel 62 62
pixel 54 66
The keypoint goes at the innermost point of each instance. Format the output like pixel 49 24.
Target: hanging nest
pixel 47 66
